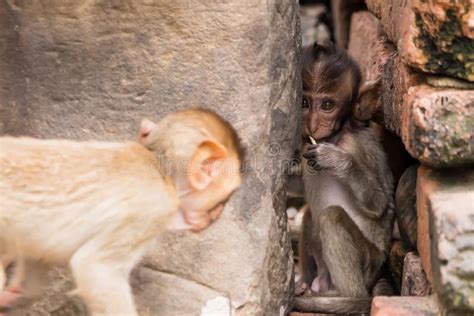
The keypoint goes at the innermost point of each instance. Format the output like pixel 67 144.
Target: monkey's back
pixel 48 186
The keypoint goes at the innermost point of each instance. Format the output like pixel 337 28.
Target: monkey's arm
pixel 351 165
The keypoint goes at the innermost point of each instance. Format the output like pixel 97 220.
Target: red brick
pixel 372 57
pixel 437 125
pixel 445 207
pixel 418 28
pixel 379 61
pixel 414 281
pixel 341 16
pixel 395 262
pixel 403 306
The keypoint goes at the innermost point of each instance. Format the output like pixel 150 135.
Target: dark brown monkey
pixel 348 185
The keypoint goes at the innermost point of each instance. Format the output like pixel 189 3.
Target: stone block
pixel 433 36
pixel 405 205
pixel 414 281
pixel 445 200
pixel 434 121
pixel 403 306
pixel 371 57
pixel 341 16
pixel 437 125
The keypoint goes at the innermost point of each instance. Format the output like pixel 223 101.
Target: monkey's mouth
pixel 308 139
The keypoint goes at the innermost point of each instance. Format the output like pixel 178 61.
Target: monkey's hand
pixel 326 156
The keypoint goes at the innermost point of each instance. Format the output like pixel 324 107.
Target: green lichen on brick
pixel 454 299
pixel 448 52
pixel 447 143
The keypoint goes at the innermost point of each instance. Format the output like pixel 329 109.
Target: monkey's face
pixel 321 115
pixel 208 194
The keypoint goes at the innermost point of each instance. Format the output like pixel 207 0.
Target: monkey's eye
pixel 305 104
pixel 327 105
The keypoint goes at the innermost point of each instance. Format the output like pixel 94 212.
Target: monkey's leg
pixel 101 274
pixel 306 248
pixel 343 247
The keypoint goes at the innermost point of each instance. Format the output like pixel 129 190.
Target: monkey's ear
pixel 145 128
pixel 204 163
pixel 366 103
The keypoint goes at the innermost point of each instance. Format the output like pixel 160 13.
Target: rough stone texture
pixel 372 57
pixel 414 281
pixel 437 126
pixel 433 36
pixel 380 62
pixel 169 294
pixel 403 306
pixel 341 16
pixel 313 27
pixel 397 78
pixel 94 69
pixel 395 262
pixel 435 123
pixel 445 200
pixel 405 205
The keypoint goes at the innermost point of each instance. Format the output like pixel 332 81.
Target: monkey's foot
pixel 320 284
pixel 301 288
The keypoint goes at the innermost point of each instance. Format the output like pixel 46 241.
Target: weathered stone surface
pixel 169 294
pixel 435 123
pixel 313 27
pixel 445 200
pixel 433 36
pixel 414 281
pixel 93 70
pixel 437 126
pixel 341 16
pixel 395 262
pixel 403 306
pixel 380 62
pixel 372 57
pixel 405 205
pixel 397 78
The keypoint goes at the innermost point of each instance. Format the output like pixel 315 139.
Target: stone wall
pixel 421 54
pixel 93 69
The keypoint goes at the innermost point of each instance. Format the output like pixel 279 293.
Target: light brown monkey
pixel 97 205
pixel 346 235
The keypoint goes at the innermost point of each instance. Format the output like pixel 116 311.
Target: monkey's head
pixel 331 80
pixel 201 153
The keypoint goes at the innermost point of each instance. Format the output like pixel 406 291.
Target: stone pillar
pixel 94 69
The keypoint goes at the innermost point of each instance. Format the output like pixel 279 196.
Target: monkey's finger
pixel 313 164
pixel 310 154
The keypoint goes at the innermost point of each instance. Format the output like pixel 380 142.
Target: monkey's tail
pixel 333 305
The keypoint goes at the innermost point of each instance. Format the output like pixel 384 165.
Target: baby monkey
pixel 346 233
pixel 98 205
